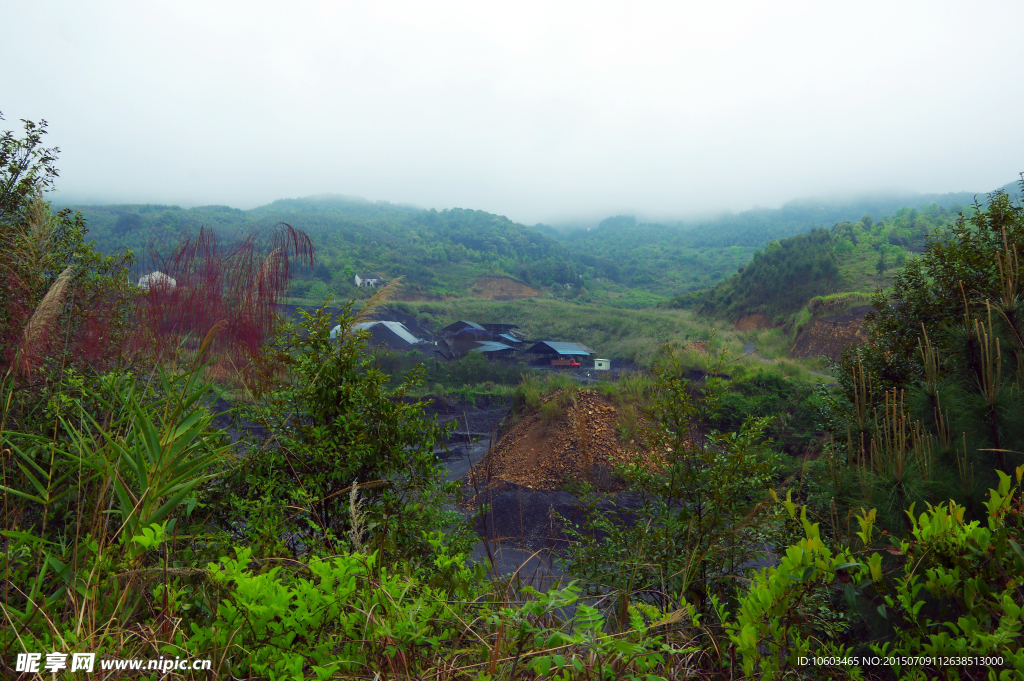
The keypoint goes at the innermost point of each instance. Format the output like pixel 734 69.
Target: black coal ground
pixel 523 531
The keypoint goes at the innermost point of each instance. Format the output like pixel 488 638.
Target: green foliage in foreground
pixel 347 615
pixel 934 401
pixel 950 595
pixel 158 578
pixel 702 494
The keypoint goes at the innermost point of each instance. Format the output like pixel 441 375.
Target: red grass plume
pixel 239 283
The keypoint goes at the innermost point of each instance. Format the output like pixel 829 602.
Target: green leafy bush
pixel 699 520
pixel 950 595
pixel 334 428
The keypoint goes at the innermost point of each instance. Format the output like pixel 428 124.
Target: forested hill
pixel 442 253
pixel 850 257
pixel 439 252
pixel 688 256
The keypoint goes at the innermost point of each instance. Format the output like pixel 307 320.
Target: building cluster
pixel 494 341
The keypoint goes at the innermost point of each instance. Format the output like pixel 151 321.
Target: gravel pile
pixel 583 443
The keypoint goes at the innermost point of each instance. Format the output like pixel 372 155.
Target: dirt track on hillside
pixel 503 288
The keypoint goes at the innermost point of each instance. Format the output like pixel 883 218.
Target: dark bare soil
pixel 828 336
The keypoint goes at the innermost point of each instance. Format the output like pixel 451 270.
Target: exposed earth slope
pixel 557 444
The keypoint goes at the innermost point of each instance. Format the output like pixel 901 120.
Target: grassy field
pixel 623 334
pixel 619 333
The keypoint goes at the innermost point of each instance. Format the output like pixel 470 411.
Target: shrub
pixel 82 505
pixel 699 501
pixel 950 593
pixel 551 411
pixel 333 424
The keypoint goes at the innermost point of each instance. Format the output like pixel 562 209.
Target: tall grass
pixel 62 304
pixel 238 283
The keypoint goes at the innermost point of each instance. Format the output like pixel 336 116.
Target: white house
pixel 367 279
pixel 157 280
pixel 602 364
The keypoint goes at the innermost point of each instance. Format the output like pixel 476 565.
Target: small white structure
pixel 157 280
pixel 602 364
pixel 367 279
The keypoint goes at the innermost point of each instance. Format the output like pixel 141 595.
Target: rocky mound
pixel 828 336
pixel 583 443
pixel 503 288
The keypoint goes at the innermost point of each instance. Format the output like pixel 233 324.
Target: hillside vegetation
pixel 824 270
pixel 673 258
pixel 439 253
pixel 442 253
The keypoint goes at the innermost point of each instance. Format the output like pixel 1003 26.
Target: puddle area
pixel 460 458
pixel 539 569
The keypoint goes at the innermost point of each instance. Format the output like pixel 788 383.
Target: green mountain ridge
pixel 782 281
pixel 441 253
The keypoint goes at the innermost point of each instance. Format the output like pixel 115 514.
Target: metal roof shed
pixel 392 334
pixel 494 349
pixel 500 328
pixel 506 338
pixel 558 348
pixel 461 325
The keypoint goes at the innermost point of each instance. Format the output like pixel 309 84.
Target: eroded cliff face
pixel 754 322
pixel 828 336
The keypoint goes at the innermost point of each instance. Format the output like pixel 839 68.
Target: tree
pixel 128 223
pixel 881 266
pixel 346 460
pixel 700 521
pixel 322 272
pixel 26 168
pixel 935 394
pixel 52 277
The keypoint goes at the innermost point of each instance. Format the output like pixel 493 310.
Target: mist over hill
pixel 442 252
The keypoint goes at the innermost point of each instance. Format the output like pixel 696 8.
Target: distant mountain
pixel 850 258
pixel 443 252
pixel 336 204
pixel 439 252
pixel 688 256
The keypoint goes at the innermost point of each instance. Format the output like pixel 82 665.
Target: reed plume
pixel 385 294
pixel 34 336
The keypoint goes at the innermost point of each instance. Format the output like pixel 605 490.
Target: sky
pixel 543 112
